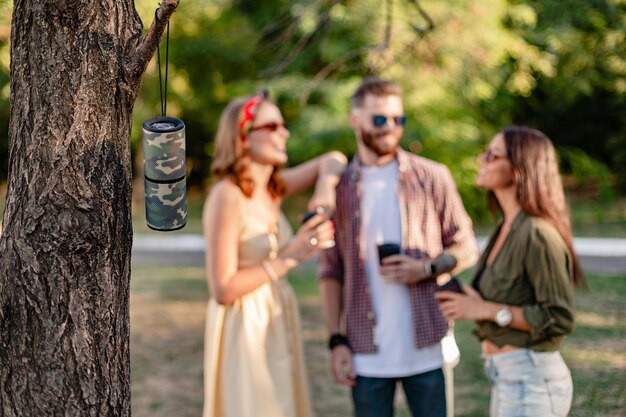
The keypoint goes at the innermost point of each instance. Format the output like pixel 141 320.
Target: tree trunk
pixel 66 245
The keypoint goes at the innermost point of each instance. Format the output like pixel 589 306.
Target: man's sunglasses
pixel 272 127
pixel 378 120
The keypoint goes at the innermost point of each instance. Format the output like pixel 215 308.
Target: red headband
pixel 248 113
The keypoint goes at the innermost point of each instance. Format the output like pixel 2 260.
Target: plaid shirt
pixel 433 219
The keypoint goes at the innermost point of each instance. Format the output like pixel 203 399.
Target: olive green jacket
pixel 533 270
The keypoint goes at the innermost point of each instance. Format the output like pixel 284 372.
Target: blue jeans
pixel 425 394
pixel 525 383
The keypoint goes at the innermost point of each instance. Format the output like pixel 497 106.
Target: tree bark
pixel 65 249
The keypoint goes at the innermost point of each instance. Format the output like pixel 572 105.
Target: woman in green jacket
pixel 522 294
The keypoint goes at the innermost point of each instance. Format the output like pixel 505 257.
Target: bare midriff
pixel 491 349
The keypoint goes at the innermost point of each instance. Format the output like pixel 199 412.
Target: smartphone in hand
pixel 452 285
pixel 387 249
pixel 309 215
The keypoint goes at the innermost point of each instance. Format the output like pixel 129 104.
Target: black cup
pixel 387 249
pixel 309 215
pixel 452 285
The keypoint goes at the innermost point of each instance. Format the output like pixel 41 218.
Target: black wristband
pixel 337 339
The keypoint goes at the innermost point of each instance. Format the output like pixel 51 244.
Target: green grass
pixel 594 217
pixel 590 216
pixel 167 317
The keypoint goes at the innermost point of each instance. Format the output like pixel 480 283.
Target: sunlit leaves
pixel 467 68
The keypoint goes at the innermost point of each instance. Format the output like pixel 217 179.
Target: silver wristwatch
pixel 504 317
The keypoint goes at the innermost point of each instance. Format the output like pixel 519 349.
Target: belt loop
pixel 533 357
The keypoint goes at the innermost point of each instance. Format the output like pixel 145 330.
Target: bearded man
pixel 384 324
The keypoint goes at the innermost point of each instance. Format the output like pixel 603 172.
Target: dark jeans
pixel 425 394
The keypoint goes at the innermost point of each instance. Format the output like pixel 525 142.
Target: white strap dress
pixel 254 362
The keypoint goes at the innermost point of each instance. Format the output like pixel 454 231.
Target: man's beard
pixel 370 141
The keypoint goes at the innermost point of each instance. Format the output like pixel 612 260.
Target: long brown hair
pixel 231 158
pixel 538 185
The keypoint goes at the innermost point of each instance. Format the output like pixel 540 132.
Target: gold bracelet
pixel 270 271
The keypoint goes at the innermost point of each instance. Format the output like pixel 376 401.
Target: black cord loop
pixel 162 94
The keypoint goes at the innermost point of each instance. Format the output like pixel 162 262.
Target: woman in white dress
pixel 254 363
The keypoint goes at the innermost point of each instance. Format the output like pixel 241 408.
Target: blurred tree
pixel 76 68
pixel 573 83
pixel 467 71
pixel 467 68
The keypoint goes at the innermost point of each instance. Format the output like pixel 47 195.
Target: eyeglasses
pixel 272 127
pixel 379 120
pixel 490 156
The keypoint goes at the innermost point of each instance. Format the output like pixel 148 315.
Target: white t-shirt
pixel 397 355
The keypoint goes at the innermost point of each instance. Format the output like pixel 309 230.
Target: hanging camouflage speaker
pixel 164 173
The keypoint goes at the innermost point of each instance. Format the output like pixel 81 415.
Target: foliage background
pixel 468 68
